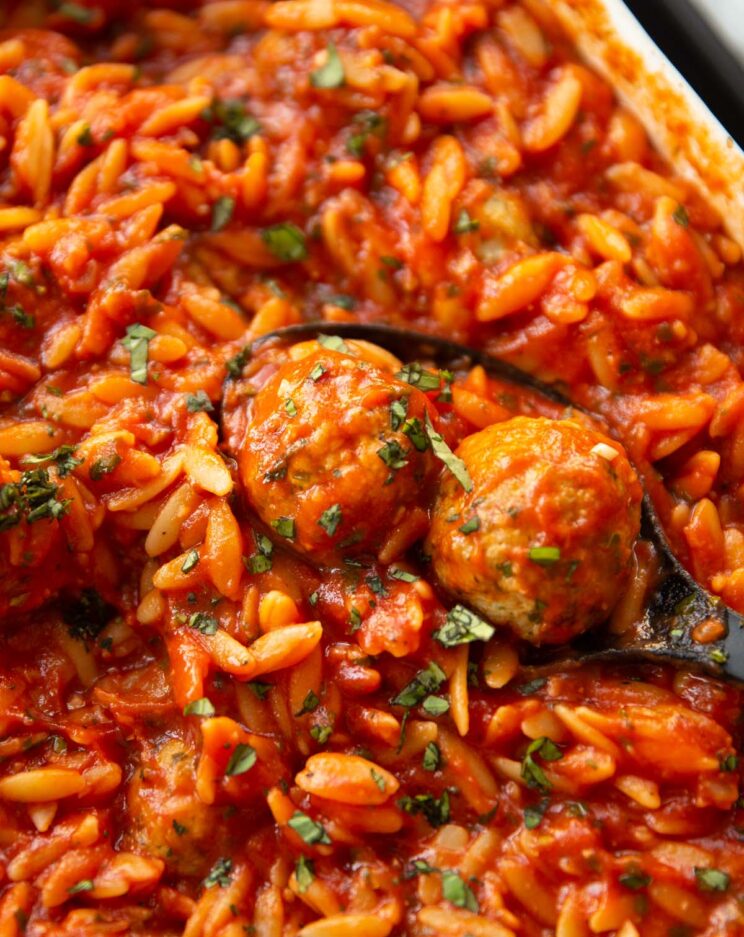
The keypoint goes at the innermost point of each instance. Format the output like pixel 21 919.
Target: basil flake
pixel 285 241
pixel 331 74
pixel 304 873
pixel 242 759
pixel 330 519
pixel 425 682
pixel 463 626
pixel 307 829
pixel 136 342
pixel 199 707
pixel 222 212
pixel 457 892
pixel 443 452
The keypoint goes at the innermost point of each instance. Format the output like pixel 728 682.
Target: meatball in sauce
pixel 543 542
pixel 335 454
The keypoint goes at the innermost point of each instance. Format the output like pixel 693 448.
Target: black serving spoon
pixel 675 605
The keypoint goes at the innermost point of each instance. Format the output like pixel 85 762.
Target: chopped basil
pixel 417 376
pixel 85 137
pixel 285 527
pixel 532 773
pixel 285 241
pixel 219 874
pixel 291 407
pixel 393 455
pixel 304 873
pixel 462 626
pixel 136 342
pixel 378 779
pixel 415 432
pixel 457 892
pixel 728 763
pixel 432 757
pixel 204 622
pixel 465 224
pixel 103 467
pixel 234 366
pixel 199 707
pixel 330 519
pixel 425 682
pixel 342 301
pixel 62 456
pixel 712 879
pixel 398 412
pixel 257 564
pixel 317 372
pixel 435 809
pixel 422 867
pixel 321 734
pixel 634 879
pixel 259 688
pixel 233 122
pixel 242 759
pixel 21 273
pixel 309 705
pixel 313 598
pixel 308 830
pixel 443 452
pixel 435 705
pixel 192 559
pixel 19 315
pixel 33 497
pixel 527 689
pixel 222 212
pixel 470 526
pixel 333 342
pixel 198 402
pixel 403 575
pixel 179 828
pixel 375 584
pixel 260 562
pixel 368 123
pixel 545 556
pixel 355 619
pixel 533 815
pixel 680 216
pixel 331 74
pixel 76 12
pixel 85 885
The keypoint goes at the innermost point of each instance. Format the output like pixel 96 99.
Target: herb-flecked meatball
pixel 543 541
pixel 335 453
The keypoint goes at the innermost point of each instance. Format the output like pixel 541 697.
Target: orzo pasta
pixel 239 692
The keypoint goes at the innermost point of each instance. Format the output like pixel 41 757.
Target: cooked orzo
pixel 263 610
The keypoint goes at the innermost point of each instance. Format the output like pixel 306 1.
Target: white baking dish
pixel 681 126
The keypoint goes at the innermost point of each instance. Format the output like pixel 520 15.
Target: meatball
pixel 335 453
pixel 543 541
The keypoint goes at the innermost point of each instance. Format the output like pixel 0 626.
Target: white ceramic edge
pixel 703 152
pixel 635 36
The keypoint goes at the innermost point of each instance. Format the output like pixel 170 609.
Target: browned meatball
pixel 543 542
pixel 335 453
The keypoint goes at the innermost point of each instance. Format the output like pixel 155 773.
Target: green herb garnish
pixel 136 342
pixel 443 452
pixel 331 74
pixel 462 626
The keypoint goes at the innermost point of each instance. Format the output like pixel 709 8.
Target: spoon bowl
pixel 678 611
